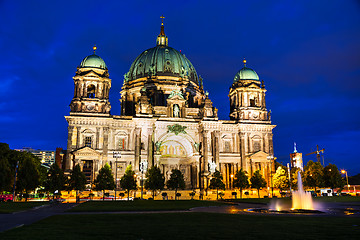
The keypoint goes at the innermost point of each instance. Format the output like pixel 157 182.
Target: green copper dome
pixel 246 74
pixel 162 61
pixel 93 61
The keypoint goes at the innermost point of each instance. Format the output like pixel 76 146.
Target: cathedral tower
pixel 247 97
pixel 92 85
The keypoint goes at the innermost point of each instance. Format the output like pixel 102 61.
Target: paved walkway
pixel 18 219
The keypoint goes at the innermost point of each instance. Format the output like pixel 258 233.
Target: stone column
pixel 84 90
pixel 69 147
pixel 206 152
pixel 216 149
pixel 78 137
pixel 242 150
pixel 137 148
pixel 150 149
pixel 97 138
pixel 271 149
pixel 105 143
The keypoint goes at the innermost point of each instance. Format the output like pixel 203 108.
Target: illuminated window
pixel 88 142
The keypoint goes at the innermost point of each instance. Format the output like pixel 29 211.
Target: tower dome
pixel 162 60
pixel 93 61
pixel 246 74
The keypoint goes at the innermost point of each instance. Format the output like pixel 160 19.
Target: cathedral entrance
pixel 88 170
pixel 176 152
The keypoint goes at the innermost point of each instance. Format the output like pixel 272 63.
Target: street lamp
pixel 347 179
pixel 116 155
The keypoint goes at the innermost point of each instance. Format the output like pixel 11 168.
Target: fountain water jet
pixel 300 198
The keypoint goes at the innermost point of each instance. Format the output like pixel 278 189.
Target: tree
pixel 257 181
pixel 313 175
pixel 55 179
pixel 293 175
pixel 155 180
pixel 28 176
pixel 5 175
pixel 104 180
pixel 77 180
pixel 216 182
pixel 128 181
pixel 332 177
pixel 241 180
pixel 176 181
pixel 280 179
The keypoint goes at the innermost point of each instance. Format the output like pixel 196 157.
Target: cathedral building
pixel 167 119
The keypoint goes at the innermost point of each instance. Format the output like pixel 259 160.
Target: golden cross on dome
pixel 94 48
pixel 162 20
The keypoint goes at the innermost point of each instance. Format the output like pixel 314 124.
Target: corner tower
pixel 247 97
pixel 92 85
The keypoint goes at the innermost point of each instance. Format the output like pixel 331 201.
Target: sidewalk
pixel 18 219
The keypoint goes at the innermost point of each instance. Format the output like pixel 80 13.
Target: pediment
pixel 176 98
pixel 91 74
pixel 253 85
pixel 260 155
pixel 85 151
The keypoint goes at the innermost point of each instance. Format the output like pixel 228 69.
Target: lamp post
pixel 116 155
pixel 271 158
pixel 347 179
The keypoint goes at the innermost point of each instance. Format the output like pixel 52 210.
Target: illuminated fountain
pixel 302 202
pixel 300 198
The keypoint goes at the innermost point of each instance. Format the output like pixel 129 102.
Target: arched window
pixel 252 101
pixel 91 91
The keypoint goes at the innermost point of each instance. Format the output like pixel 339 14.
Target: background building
pixel 46 157
pixel 296 159
pixel 167 119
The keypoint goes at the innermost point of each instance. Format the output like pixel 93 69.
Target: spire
pixel 162 32
pixel 94 48
pixel 295 150
pixel 244 61
pixel 162 39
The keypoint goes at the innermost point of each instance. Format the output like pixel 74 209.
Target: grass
pixel 112 206
pixel 9 207
pixel 188 226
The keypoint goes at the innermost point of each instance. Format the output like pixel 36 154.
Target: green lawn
pixel 145 205
pixel 188 226
pixel 9 207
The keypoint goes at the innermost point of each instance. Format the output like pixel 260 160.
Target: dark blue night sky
pixel 307 52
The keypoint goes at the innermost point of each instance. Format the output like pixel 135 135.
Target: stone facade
pixel 168 120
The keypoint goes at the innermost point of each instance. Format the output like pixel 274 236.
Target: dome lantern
pixel 162 39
